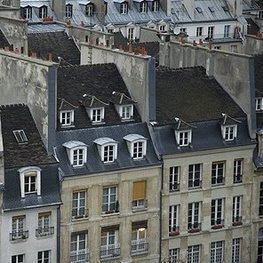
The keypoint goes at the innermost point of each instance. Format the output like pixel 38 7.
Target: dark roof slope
pixel 189 94
pixel 57 43
pixel 252 28
pixel 3 40
pixel 94 163
pixel 258 62
pixel 94 80
pixel 18 117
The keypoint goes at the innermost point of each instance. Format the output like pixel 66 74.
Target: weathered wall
pixel 254 45
pixel 10 12
pixel 33 82
pixel 15 30
pixel 233 71
pixel 148 35
pixel 138 73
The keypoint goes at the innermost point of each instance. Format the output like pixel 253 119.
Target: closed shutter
pixel 139 190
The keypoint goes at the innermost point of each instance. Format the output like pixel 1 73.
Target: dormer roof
pixel 65 105
pixel 227 120
pixel 74 144
pixel 90 101
pixel 104 140
pixel 133 137
pixel 119 98
pixel 182 125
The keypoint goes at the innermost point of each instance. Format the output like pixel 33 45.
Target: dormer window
pixel 97 115
pixel 77 153
pixel 124 8
pixel 155 6
pixel 126 112
pixel 107 148
pixel 69 11
pixel 230 132
pixel 66 118
pixel 184 137
pixel 43 12
pixel 137 145
pixel 259 104
pixel 20 136
pixel 26 12
pixel 143 7
pixel 30 181
pixel 89 10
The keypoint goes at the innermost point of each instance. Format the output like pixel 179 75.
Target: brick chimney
pixel 59 7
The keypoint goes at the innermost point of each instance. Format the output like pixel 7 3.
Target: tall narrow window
pixel 18 258
pixel 130 33
pixel 79 208
pixel 173 220
pixel 108 153
pixel 110 246
pixel 194 254
pixel 27 12
pixel 210 32
pixel 44 228
pixel 174 180
pixel 194 217
pixel 69 11
pixel 236 214
pixel 261 199
pixel 218 170
pixel 143 7
pixel 43 11
pixel 217 213
pixel 139 235
pixel 155 5
pixel 174 254
pixel 43 256
pixel 238 171
pixel 260 245
pixel 194 176
pixel 199 31
pixel 109 200
pixel 78 157
pixel 30 182
pixel 79 247
pixel 89 10
pixel 124 8
pixel 217 252
pixel 139 195
pixel 236 250
pixel 226 31
pixel 18 228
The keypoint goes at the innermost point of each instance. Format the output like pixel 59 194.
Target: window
pixel 66 118
pixel 30 180
pixel 217 213
pixel 238 171
pixel 174 181
pixel 193 254
pixel 43 256
pixel 43 11
pixel 130 33
pixel 110 246
pixel 18 259
pixel 69 11
pixel 194 176
pixel 44 228
pixel 139 241
pixel 162 28
pixel 261 199
pixel 199 31
pixel 260 245
pixel 138 150
pixel 226 31
pixel 259 104
pixel 173 220
pixel 26 12
pixel 217 252
pixel 236 250
pixel 236 210
pixel 20 136
pixel 77 153
pixel 230 132
pixel 211 32
pixel 78 157
pixel 137 145
pixel 184 137
pixel 79 204
pixel 143 7
pixel 78 248
pixel 110 202
pixel 218 170
pixel 108 153
pixel 194 217
pixel 139 195
pixel 97 115
pixel 89 10
pixel 107 148
pixel 260 14
pixel 217 47
pixel 126 112
pixel 183 30
pixel 124 8
pixel 155 6
pixel 18 228
pixel 174 254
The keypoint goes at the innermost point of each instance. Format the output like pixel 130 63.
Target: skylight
pixel 211 8
pixel 199 10
pixel 20 136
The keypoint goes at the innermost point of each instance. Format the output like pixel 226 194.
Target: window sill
pixel 217 227
pixel 173 234
pixel 109 258
pixel 80 218
pixel 105 214
pixel 139 209
pixel 237 224
pixel 139 253
pixel 193 231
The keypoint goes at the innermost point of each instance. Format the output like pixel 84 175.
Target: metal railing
pixel 79 257
pixel 18 235
pixel 110 251
pixel 139 246
pixel 174 231
pixel 174 187
pixel 80 213
pixel 195 184
pixel 44 231
pixel 217 224
pixel 139 204
pixel 194 228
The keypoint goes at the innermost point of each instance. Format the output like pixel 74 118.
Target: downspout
pixel 161 205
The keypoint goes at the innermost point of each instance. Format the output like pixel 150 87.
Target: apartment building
pixel 30 196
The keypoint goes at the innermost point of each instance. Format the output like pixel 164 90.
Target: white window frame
pixel 174 185
pixel 43 258
pixel 217 252
pixel 130 33
pixel 27 11
pixel 229 132
pixel 138 149
pixel 109 152
pixel 106 206
pixel 218 213
pixel 80 209
pixel 17 260
pixel 143 7
pixel 199 31
pixel 79 254
pixel 174 255
pixel 43 11
pixel 210 33
pixel 238 171
pixel 108 246
pixel 259 104
pixel 184 138
pixel 174 215
pixel 194 210
pixel 236 250
pixel 155 7
pixel 18 227
pixel 89 10
pixel 97 115
pixel 103 145
pixel 194 174
pixel 23 173
pixel 66 118
pixel 44 222
pixel 126 112
pixel 215 173
pixel 69 11
pixel 78 156
pixel 226 31
pixel 139 243
pixel 194 254
pixel 124 8
pixel 237 209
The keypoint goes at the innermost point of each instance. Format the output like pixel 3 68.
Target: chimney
pixel 59 7
pixel 2 178
pixel 260 143
pixel 166 6
pixel 190 7
pixel 236 7
pixel 100 10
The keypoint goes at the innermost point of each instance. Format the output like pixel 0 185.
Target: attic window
pixel 137 145
pixel 230 132
pixel 43 12
pixel 69 11
pixel 89 10
pixel 225 8
pixel 107 148
pixel 124 8
pixel 20 136
pixel 26 12
pixel 66 118
pixel 77 153
pixel 199 10
pixel 155 6
pixel 126 112
pixel 184 137
pixel 259 104
pixel 211 8
pixel 143 7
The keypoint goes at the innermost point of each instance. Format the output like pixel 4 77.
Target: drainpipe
pixel 161 205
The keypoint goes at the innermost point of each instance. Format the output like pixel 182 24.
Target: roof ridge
pixel 13 105
pixel 87 65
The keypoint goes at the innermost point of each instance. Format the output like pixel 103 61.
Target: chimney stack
pixel 59 7
pixel 260 143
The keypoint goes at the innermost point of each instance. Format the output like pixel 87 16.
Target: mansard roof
pixel 3 41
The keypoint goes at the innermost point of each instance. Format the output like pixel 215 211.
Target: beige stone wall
pixel 205 195
pixel 94 184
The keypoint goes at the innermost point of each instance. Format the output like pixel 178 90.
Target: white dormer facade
pixel 66 118
pixel 125 112
pixel 96 115
pixel 229 132
pixel 107 148
pixel 183 137
pixel 77 153
pixel 137 145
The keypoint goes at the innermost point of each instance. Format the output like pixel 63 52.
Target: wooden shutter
pixel 139 190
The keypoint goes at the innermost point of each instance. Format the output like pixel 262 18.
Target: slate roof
pixel 250 5
pixel 252 27
pixel 94 80
pixel 94 163
pixel 3 41
pixel 57 43
pixel 45 28
pixel 16 117
pixel 189 94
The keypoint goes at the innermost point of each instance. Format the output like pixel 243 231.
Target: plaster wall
pixel 10 12
pixel 137 71
pixel 15 30
pixel 254 45
pixel 33 82
pixel 149 35
pixel 93 185
pixel 32 245
pixel 204 195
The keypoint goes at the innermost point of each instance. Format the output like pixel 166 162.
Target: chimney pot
pixel 50 57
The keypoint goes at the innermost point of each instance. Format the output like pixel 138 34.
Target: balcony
pixel 79 213
pixel 20 235
pixel 238 179
pixel 217 224
pixel 139 205
pixel 237 221
pixel 217 38
pixel 79 257
pixel 175 187
pixel 45 231
pixel 110 251
pixel 139 246
pixel 110 208
pixel 174 231
pixel 194 228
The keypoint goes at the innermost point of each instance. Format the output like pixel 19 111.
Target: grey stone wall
pixel 254 45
